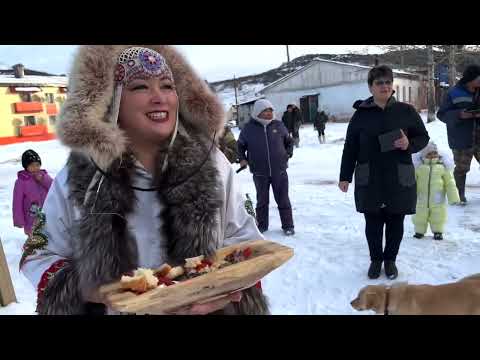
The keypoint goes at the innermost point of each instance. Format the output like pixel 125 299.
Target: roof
pixel 250 101
pixel 317 60
pixel 34 80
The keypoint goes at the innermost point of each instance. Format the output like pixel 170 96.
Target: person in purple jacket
pixel 265 146
pixel 30 191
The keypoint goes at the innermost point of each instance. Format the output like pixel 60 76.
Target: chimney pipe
pixel 19 71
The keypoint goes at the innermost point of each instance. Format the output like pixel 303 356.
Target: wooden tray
pixel 266 257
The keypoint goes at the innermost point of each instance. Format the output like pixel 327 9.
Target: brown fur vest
pixel 104 248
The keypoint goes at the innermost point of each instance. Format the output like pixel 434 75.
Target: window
pixel 30 120
pixel 52 119
pixel 26 96
pixel 404 93
pixel 398 93
pixel 410 94
pixel 50 98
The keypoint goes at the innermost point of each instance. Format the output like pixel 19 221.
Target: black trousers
pixel 374 224
pixel 279 184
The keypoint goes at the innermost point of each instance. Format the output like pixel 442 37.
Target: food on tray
pixel 143 280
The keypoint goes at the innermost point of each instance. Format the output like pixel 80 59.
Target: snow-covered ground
pixel 331 253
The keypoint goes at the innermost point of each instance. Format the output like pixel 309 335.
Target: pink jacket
pixel 26 193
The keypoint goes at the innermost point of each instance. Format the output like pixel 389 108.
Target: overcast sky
pixel 213 62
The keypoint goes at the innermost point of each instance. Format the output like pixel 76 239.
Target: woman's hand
pixel 343 185
pixel 402 143
pixel 243 163
pixel 208 307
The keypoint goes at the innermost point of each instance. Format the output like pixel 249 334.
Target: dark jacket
pixel 320 120
pixel 382 178
pixel 460 131
pixel 292 120
pixel 267 149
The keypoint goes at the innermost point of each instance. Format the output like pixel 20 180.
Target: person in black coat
pixel 292 119
pixel 319 124
pixel 385 186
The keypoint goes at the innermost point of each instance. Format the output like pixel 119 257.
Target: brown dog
pixel 460 298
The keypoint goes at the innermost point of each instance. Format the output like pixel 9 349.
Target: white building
pixel 334 87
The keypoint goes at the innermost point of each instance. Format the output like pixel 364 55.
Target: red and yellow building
pixel 29 104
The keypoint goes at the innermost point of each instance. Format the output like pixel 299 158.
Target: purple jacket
pixel 267 150
pixel 26 193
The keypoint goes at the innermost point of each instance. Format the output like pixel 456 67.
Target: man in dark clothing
pixel 265 146
pixel 463 124
pixel 319 124
pixel 385 186
pixel 292 119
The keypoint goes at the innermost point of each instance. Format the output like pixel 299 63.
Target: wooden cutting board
pixel 266 257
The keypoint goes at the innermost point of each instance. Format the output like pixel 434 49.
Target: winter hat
pixel 260 106
pixel 428 149
pixel 470 74
pixel 29 157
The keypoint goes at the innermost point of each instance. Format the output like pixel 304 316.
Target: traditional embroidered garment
pixel 99 225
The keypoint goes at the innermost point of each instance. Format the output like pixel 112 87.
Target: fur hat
pixel 444 157
pixel 431 146
pixel 29 157
pixel 87 122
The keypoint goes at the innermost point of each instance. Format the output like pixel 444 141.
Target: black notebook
pixel 386 140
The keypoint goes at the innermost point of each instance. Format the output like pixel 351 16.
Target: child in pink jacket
pixel 30 191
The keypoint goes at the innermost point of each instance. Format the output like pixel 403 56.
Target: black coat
pixel 292 120
pixel 320 120
pixel 382 178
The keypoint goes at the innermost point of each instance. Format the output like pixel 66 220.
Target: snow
pixel 36 80
pixel 331 254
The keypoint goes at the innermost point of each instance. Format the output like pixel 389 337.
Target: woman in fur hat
pixel 144 183
pixel 435 182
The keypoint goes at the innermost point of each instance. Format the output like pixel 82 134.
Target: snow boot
pixel 391 269
pixel 289 232
pixel 375 269
pixel 418 236
pixel 438 236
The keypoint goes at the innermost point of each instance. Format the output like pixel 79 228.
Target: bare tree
pixel 431 85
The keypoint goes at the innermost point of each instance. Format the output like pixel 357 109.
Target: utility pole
pixel 288 54
pixel 402 56
pixel 236 98
pixel 431 85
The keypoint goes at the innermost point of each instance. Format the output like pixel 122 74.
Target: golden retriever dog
pixel 459 298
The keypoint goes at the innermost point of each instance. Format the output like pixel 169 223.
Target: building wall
pixel 335 100
pixel 338 86
pixel 322 74
pixel 8 114
pixel 244 114
pixel 410 91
